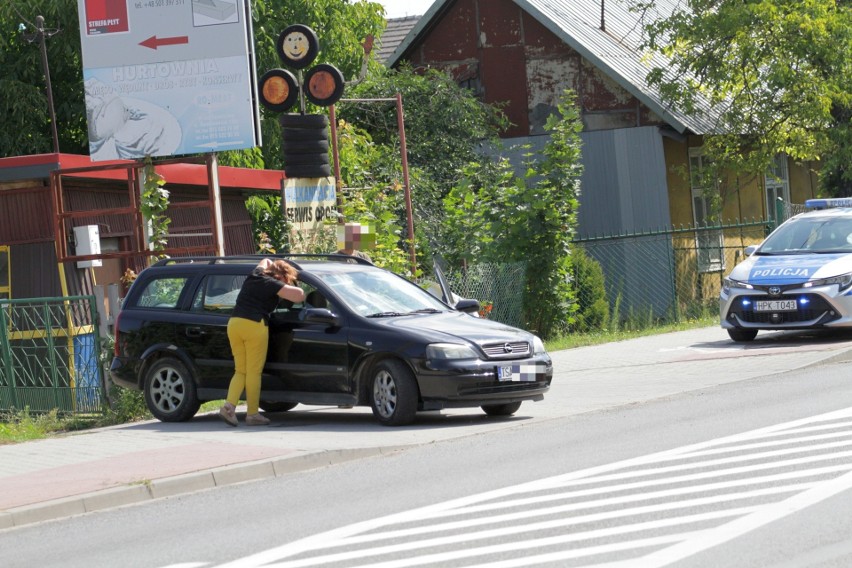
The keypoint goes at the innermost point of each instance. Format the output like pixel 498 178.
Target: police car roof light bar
pixel 828 203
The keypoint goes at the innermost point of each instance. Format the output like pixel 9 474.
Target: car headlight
pixel 729 283
pixel 843 281
pixel 437 351
pixel 538 346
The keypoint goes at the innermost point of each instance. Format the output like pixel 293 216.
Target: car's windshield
pixel 380 294
pixel 810 234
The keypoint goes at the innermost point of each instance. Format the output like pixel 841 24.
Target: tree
pixel 496 216
pixel 23 97
pixel 445 126
pixel 341 26
pixel 779 72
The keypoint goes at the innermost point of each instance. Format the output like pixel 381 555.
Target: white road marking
pixel 760 475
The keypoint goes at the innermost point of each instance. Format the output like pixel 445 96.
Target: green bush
pixel 125 406
pixel 592 306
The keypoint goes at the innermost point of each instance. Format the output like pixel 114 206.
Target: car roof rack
pixel 257 257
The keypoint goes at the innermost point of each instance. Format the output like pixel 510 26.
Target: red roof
pixel 40 165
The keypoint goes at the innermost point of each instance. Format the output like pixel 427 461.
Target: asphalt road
pixel 647 481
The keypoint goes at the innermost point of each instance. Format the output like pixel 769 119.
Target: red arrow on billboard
pixel 154 42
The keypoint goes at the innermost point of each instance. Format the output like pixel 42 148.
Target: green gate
pixel 50 355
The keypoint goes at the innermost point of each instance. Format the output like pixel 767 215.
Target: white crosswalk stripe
pixel 649 511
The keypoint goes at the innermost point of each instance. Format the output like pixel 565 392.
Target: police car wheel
pixel 742 335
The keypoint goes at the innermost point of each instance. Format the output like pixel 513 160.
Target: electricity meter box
pixel 88 242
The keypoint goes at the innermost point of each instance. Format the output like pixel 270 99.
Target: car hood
pixel 455 327
pixel 790 269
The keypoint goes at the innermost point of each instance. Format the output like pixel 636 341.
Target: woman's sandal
pixel 257 420
pixel 228 413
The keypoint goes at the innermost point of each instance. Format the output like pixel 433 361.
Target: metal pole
pixel 43 45
pixel 215 195
pixel 332 117
pixel 404 151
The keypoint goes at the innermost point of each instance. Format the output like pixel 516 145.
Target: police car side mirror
pixel 749 250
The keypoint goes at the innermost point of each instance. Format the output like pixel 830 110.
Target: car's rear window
pixel 218 293
pixel 162 293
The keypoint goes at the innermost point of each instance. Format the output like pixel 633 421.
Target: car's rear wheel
pixel 393 393
pixel 277 406
pixel 507 409
pixel 170 391
pixel 742 335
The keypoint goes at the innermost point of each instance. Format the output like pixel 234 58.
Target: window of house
pixel 777 183
pixel 5 274
pixel 709 243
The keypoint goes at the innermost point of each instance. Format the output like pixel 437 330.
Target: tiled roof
pixel 613 48
pixel 396 31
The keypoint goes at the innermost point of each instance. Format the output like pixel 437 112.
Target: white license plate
pixel 526 373
pixel 504 373
pixel 775 306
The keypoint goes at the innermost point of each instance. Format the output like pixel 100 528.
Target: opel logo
pixel 507 348
pixel 774 290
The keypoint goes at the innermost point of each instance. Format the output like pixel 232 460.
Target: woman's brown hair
pixel 283 271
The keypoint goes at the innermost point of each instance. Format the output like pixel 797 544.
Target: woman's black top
pixel 258 296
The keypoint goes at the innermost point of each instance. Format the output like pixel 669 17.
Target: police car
pixel 800 277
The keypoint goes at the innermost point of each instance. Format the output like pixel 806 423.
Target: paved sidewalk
pixel 98 469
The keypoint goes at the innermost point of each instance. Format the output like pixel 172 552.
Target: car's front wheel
pixel 170 391
pixel 393 393
pixel 742 335
pixel 507 409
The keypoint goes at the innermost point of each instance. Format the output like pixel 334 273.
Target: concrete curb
pixel 182 484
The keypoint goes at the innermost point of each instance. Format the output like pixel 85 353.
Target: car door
pixel 204 333
pixel 305 357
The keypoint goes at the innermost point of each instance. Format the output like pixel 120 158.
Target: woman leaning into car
pixel 248 333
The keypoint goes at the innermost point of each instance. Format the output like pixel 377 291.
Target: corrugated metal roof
pixel 614 50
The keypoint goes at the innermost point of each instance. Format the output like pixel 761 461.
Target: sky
pixel 401 8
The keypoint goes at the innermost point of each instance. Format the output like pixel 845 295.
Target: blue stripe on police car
pixel 788 269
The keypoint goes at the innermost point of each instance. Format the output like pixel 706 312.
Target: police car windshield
pixel 809 234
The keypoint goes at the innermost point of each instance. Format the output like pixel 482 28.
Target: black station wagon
pixel 364 336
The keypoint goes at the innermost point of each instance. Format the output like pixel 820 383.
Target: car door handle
pixel 195 332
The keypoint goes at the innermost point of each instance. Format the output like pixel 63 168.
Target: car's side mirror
pixel 749 250
pixel 321 316
pixel 467 305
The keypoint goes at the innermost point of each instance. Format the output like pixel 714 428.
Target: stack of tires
pixel 305 145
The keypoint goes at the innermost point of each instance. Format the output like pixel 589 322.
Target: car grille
pixel 504 388
pixel 817 307
pixel 507 350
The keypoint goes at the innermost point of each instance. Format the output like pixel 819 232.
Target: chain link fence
pixel 498 287
pixel 671 275
pixel 50 354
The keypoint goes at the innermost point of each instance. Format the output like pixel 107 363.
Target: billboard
pixel 168 77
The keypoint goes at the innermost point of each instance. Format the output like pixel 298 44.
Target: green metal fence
pixel 50 355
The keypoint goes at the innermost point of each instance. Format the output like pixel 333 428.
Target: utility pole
pixel 41 36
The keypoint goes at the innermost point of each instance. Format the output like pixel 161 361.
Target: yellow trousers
pixel 249 343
